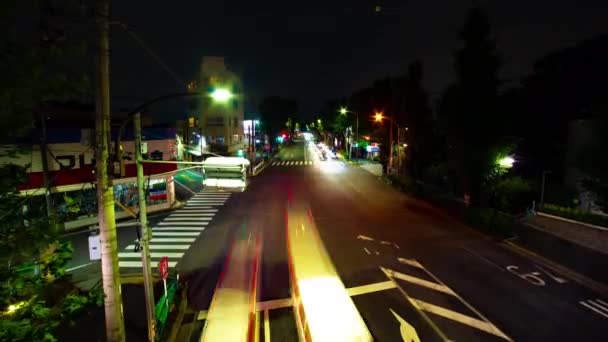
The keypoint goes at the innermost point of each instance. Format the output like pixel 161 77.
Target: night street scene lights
pixel 221 95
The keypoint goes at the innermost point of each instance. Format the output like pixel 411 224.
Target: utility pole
pixel 110 274
pixel 390 155
pixel 50 212
pixel 357 137
pixel 143 225
pixel 542 189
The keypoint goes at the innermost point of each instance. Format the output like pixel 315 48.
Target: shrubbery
pixel 575 214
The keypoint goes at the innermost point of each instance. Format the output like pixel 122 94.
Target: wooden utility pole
pixel 145 240
pixel 110 274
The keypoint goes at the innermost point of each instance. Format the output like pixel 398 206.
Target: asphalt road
pixel 401 259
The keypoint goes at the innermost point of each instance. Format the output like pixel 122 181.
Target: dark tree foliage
pixel 468 109
pixel 593 162
pixel 275 112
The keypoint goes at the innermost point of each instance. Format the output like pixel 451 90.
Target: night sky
pixel 319 50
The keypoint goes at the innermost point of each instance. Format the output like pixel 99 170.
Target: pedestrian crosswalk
pixel 175 233
pixel 292 163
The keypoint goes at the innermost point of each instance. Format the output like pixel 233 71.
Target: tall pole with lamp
pixel 344 111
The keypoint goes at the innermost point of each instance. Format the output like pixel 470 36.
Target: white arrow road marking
pixel 175 234
pixel 458 317
pixel 363 237
pixel 408 332
pixel 138 264
pixel 154 246
pixel 152 255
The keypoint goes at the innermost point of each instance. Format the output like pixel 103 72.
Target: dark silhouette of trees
pixel 274 113
pixel 468 109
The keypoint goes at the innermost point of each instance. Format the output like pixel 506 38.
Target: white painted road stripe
pixel 175 234
pixel 201 209
pixel 154 246
pixel 359 290
pixel 161 240
pixel 187 219
pixel 179 223
pixel 601 304
pixel 458 317
pixel 152 255
pixel 191 214
pixel 594 309
pixel 137 264
pixel 410 262
pixel 164 229
pixel 418 281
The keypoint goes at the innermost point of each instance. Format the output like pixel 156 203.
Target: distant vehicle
pixel 225 172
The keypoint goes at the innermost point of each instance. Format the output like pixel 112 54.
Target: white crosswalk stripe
pixel 175 233
pixel 137 264
pixel 156 233
pixel 292 163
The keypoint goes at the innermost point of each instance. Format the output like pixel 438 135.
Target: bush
pixel 489 220
pixel 575 214
pixel 512 195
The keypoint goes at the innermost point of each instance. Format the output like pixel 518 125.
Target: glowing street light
pixel 221 95
pixel 378 117
pixel 506 162
pixel 343 110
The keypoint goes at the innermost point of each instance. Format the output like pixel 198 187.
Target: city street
pixel 404 262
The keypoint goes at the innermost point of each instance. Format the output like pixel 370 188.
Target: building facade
pixel 220 113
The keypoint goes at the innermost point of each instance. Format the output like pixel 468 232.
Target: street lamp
pixel 378 117
pixel 221 95
pixel 344 111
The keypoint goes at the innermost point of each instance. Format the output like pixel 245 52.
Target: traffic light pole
pixel 143 225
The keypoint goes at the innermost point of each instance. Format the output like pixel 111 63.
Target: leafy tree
pixel 35 296
pixel 593 162
pixel 468 109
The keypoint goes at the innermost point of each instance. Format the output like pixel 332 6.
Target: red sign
pixel 163 267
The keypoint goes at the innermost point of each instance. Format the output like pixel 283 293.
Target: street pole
pixel 398 150
pixel 390 156
pixel 357 137
pixel 110 273
pixel 50 213
pixel 542 188
pixel 143 225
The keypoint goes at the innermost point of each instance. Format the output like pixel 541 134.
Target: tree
pixel 468 108
pixel 593 162
pixel 37 69
pixel 275 111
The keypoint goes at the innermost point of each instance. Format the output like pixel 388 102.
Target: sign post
pixel 163 268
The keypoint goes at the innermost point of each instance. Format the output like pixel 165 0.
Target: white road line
pixel 191 214
pixel 80 266
pixel 179 223
pixel 165 229
pixel 310 162
pixel 187 219
pixel 458 317
pixel 202 198
pixel 602 303
pixel 208 200
pixel 367 251
pixel 152 255
pixel 137 264
pixel 198 209
pixel 417 281
pixel 410 262
pixel 169 247
pixel 364 289
pixel 207 203
pixel 290 163
pixel 162 240
pixel 593 307
pixel 175 234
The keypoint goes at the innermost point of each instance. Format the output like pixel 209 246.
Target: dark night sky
pixel 318 50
